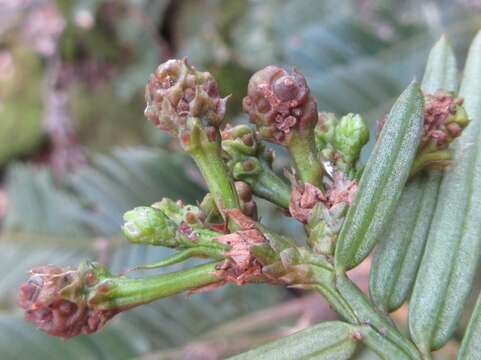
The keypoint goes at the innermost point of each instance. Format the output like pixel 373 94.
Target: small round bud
pixel 454 129
pixel 240 140
pixel 249 165
pixel 244 191
pixel 279 103
pixel 179 213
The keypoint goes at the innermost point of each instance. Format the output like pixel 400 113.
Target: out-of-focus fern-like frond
pixel 19 341
pixel 354 61
pixel 131 177
pixel 61 224
pixel 37 206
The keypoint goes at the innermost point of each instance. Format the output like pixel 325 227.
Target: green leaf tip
pixel 383 179
pixel 397 258
pixel 453 246
pixel 441 69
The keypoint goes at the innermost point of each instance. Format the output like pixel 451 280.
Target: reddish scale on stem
pixel 279 103
pixel 241 266
pixel 305 197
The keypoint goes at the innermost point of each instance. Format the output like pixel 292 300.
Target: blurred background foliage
pixel 76 152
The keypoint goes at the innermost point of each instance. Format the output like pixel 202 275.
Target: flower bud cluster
pixel 280 104
pixel 62 303
pixel 444 119
pixel 176 92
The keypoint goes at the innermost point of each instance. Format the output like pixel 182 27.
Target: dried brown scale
pixel 303 200
pixel 342 190
pixel 241 266
pixel 379 125
pixel 177 91
pixel 243 221
pixel 45 306
pixel 185 229
pixel 305 197
pixel 279 103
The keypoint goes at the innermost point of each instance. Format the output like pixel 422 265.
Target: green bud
pixel 240 140
pixel 350 136
pixel 150 226
pixel 341 141
pixel 247 168
pixel 179 213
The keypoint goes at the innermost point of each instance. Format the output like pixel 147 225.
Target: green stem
pixel 366 314
pixel 349 302
pixel 337 302
pixel 304 155
pixel 268 185
pixel 214 171
pixel 424 159
pixel 123 292
pixel 380 344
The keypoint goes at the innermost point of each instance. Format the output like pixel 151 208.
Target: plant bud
pixel 279 104
pixel 350 136
pixel 57 300
pixel 179 213
pixel 177 91
pixel 444 119
pixel 240 140
pixel 243 190
pixel 150 226
pixel 247 168
pixel 341 141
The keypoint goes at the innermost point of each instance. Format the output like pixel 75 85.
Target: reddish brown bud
pixel 249 165
pixel 54 300
pixel 279 103
pixel 248 139
pixel 191 218
pixel 243 190
pixel 454 129
pixel 176 91
pixel 444 119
